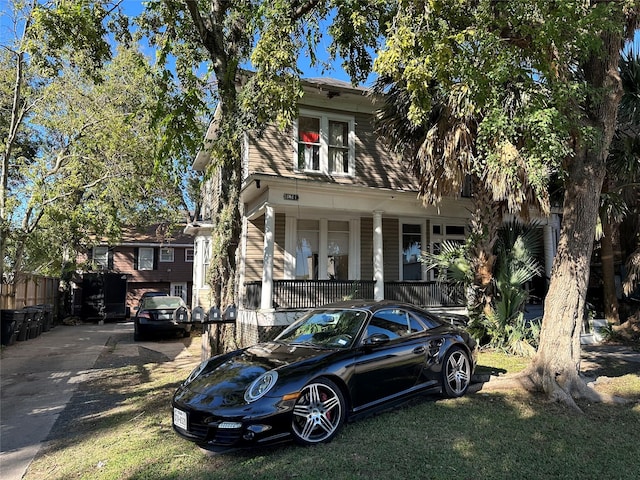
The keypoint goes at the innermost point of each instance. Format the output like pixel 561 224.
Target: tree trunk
pixel 608 275
pixel 556 366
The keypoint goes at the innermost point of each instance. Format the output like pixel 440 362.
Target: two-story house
pixel 330 213
pixel 153 259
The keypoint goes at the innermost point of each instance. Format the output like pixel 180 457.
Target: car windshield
pixel 325 328
pixel 151 303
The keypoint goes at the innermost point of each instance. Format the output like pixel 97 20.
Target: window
pixel 307 250
pixel 166 254
pixel 455 230
pixel 411 250
pixel 206 260
pixel 334 264
pixel 338 147
pixel 393 323
pixel 338 250
pixel 101 256
pixel 145 258
pixel 309 143
pixel 179 290
pixel 189 255
pixel 449 232
pixel 325 144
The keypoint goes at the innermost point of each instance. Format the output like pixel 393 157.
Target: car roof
pixel 366 304
pixel 154 294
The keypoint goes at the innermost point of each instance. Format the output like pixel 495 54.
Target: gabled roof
pixel 331 87
pixel 159 234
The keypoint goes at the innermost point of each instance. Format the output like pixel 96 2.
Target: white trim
pixel 266 301
pixel 378 257
pixel 422 222
pixel 184 290
pixel 146 250
pixel 172 255
pixel 324 118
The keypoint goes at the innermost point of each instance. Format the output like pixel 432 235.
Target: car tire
pixel 456 373
pixel 137 335
pixel 319 412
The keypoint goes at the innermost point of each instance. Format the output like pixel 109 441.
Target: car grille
pixel 205 428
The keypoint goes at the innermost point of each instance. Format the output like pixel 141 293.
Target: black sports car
pixel 334 363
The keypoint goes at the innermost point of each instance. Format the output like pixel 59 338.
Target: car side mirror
pixel 377 339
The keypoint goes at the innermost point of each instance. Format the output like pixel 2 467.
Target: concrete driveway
pixel 38 377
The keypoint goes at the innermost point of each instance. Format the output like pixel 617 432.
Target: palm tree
pixel 441 151
pixel 621 190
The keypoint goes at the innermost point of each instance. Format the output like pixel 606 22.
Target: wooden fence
pixel 28 290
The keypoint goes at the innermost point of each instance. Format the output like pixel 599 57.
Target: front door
pixel 179 290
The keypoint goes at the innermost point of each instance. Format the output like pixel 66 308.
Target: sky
pixel 134 7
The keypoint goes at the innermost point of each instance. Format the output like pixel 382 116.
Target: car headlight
pixel 196 371
pixel 260 386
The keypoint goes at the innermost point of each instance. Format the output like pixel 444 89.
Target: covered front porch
pixel 301 294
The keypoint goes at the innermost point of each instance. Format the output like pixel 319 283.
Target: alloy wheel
pixel 319 412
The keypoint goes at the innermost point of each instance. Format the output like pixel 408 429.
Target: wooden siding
pixel 391 248
pixel 272 154
pixel 366 245
pixel 176 271
pixel 255 248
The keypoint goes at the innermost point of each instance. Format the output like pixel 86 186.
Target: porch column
pixel 266 301
pixel 378 263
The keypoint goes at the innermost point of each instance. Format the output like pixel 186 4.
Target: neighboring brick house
pixel 153 260
pixel 329 212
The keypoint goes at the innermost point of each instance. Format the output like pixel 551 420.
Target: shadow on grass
pixel 120 421
pixel 480 436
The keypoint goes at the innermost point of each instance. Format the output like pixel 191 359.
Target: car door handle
pixel 419 350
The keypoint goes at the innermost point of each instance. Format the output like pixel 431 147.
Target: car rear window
pixel 161 302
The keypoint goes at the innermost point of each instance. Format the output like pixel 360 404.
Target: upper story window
pixel 189 254
pixel 325 143
pixel 101 256
pixel 145 258
pixel 166 254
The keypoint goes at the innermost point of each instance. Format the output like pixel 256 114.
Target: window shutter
pixel 110 259
pixel 135 258
pixel 156 255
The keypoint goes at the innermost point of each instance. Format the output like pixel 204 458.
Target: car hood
pixel 226 377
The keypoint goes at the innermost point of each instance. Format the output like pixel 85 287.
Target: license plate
pixel 180 418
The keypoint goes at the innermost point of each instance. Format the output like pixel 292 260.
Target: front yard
pixel 118 426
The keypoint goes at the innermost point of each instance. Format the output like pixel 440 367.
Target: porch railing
pixel 293 294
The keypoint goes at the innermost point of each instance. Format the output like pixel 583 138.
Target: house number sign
pixel 291 196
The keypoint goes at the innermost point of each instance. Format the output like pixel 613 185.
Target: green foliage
pixel 86 155
pixel 451 263
pixel 510 72
pixel 517 251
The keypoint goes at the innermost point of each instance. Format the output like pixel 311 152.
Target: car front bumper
pixel 234 428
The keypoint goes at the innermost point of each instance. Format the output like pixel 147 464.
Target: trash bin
pixel 12 325
pixel 47 316
pixel 34 316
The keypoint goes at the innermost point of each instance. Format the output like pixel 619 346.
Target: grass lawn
pixel 118 426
